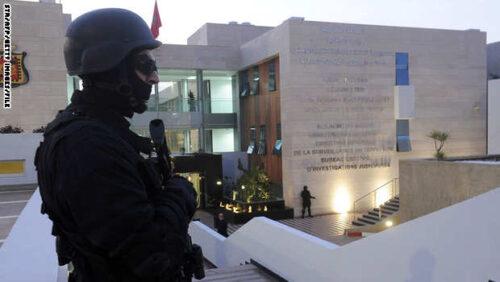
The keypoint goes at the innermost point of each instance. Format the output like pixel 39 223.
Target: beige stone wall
pixel 38 29
pixel 427 186
pixel 170 56
pixel 493 117
pixel 232 34
pixel 338 96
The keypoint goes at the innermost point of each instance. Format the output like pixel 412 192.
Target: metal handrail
pixel 373 192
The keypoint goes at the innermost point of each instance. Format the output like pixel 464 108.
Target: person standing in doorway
pixel 306 201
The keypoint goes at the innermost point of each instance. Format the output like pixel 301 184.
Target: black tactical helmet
pixel 99 40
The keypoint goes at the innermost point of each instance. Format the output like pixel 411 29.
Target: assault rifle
pixel 193 264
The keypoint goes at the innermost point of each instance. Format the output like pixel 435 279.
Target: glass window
pixel 244 85
pixel 182 140
pixel 223 140
pixel 277 147
pixel 177 92
pixel 402 69
pixel 251 143
pixel 219 91
pixel 262 140
pixel 271 84
pixel 277 144
pixel 255 81
pixel 72 83
pixel 403 143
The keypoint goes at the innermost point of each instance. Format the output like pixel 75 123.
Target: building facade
pixel 329 105
pixel 354 99
pixel 493 98
pixel 38 29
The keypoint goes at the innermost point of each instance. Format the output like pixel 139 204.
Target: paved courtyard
pixel 12 202
pixel 329 227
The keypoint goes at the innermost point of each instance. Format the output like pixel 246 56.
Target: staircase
pixel 371 203
pixel 377 214
pixel 246 272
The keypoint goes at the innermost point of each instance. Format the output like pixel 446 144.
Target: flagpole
pixel 155 31
pixel 157 98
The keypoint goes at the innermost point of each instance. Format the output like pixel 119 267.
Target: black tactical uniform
pixel 112 218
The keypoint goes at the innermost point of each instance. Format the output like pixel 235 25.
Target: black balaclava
pixel 119 89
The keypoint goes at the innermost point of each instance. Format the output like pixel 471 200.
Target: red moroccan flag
pixel 156 23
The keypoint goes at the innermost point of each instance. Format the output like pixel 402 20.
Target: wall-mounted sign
pixel 19 75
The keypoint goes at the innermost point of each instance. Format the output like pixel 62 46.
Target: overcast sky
pixel 182 18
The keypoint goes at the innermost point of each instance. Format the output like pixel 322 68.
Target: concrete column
pixel 201 102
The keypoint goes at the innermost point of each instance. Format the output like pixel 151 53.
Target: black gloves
pixel 184 190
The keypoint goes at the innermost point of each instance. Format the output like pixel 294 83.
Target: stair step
pixel 383 211
pixel 393 209
pixel 247 272
pixel 371 217
pixel 396 202
pixel 357 223
pixel 376 214
pixel 392 205
pixel 366 220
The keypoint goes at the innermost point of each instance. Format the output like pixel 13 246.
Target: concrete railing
pixel 280 248
pixel 28 254
pixel 458 243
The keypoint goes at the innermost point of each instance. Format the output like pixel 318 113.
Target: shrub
pixel 256 185
pixel 41 129
pixel 10 129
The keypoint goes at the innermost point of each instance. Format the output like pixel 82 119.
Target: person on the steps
pixel 306 201
pixel 221 225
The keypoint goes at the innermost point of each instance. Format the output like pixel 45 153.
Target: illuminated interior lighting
pixel 242 187
pixel 388 223
pixel 249 209
pixel 219 183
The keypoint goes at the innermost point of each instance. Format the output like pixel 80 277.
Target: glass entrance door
pixel 194 177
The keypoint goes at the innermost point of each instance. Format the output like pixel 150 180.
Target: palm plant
pixel 439 138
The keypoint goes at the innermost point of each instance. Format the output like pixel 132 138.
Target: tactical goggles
pixel 145 64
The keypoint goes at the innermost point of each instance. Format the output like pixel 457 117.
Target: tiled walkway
pixel 12 201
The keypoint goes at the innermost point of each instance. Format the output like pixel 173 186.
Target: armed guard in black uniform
pixel 111 217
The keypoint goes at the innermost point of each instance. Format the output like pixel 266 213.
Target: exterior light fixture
pixel 219 183
pixel 265 208
pixel 388 223
pixel 242 187
pixel 249 209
